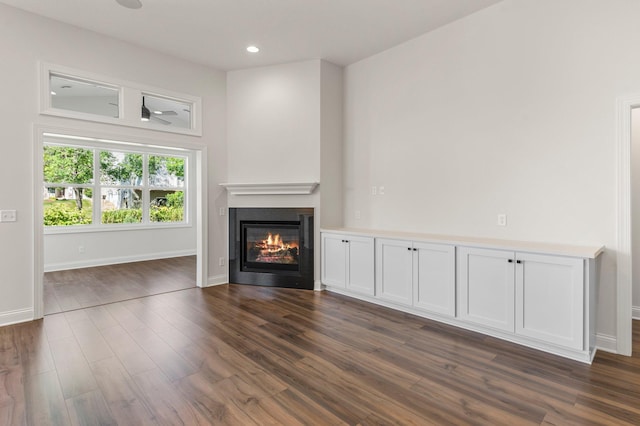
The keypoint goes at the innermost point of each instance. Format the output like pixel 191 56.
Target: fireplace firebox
pixel 271 247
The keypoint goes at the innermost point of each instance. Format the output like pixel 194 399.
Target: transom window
pixel 91 187
pixel 81 95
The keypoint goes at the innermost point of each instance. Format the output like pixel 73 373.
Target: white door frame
pixel 200 154
pixel 624 289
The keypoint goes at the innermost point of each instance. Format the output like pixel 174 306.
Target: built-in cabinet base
pixel 542 296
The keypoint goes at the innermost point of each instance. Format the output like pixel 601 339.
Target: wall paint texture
pixel 25 40
pixel 510 110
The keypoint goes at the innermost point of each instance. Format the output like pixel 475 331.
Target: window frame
pixel 122 147
pixel 129 101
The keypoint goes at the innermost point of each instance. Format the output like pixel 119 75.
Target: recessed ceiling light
pixel 53 93
pixel 157 112
pixel 253 49
pixel 130 4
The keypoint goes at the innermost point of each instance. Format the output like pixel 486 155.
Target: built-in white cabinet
pixel 533 295
pixel 348 263
pixel 394 271
pixel 416 274
pixel 539 295
pixel 486 286
pixel 434 275
pixel 550 295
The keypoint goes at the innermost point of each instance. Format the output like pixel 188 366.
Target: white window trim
pixel 129 94
pixel 121 146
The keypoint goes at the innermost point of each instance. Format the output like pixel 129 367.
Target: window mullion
pixel 97 190
pixel 146 195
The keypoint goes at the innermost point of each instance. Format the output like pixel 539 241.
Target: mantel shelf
pixel 298 188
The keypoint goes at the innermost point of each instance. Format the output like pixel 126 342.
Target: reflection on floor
pixel 81 288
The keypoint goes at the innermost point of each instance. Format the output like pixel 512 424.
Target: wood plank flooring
pixel 81 288
pixel 243 355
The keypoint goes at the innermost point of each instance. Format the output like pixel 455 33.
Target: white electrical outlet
pixel 381 190
pixel 221 261
pixel 81 249
pixel 374 190
pixel 357 214
pixel 221 211
pixel 8 216
pixel 502 219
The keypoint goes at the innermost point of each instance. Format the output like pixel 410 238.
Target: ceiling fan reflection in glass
pixel 165 111
pixel 89 97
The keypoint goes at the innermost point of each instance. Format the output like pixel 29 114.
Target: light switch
pixel 8 216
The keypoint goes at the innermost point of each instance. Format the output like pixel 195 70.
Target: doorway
pixel 126 235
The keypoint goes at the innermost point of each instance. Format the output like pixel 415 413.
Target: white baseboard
pixel 635 312
pixel 317 286
pixel 217 280
pixel 14 317
pixel 115 260
pixel 606 343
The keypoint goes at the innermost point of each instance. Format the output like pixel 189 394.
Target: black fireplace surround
pixel 271 247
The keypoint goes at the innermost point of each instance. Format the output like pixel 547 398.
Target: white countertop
pixel 587 252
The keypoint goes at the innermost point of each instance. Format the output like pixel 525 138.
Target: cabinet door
pixel 486 287
pixel 550 299
pixel 360 270
pixel 334 260
pixel 434 285
pixel 394 264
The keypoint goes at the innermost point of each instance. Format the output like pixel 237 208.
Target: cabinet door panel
pixel 550 299
pixel 394 275
pixel 487 287
pixel 434 278
pixel 334 260
pixel 360 268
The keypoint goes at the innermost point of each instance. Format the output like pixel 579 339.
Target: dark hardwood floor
pixel 243 355
pixel 81 288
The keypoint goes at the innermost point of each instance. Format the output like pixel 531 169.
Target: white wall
pixel 510 110
pixel 62 251
pixel 26 39
pixel 274 123
pixel 331 144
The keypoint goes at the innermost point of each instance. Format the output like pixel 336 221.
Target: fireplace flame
pixel 274 249
pixel 274 243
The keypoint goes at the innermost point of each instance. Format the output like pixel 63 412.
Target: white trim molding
pixel 63 266
pixel 635 312
pixel 14 317
pixel 624 292
pixel 215 280
pixel 606 343
pixel 297 188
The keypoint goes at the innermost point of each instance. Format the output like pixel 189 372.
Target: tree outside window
pixel 123 181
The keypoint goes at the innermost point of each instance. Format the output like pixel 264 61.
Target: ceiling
pixel 217 32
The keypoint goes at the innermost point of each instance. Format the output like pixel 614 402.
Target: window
pixel 166 112
pixel 90 97
pixel 82 95
pixel 98 187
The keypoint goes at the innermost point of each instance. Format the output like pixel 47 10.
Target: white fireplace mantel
pixel 296 188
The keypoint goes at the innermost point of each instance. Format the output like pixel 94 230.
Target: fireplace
pixel 271 247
